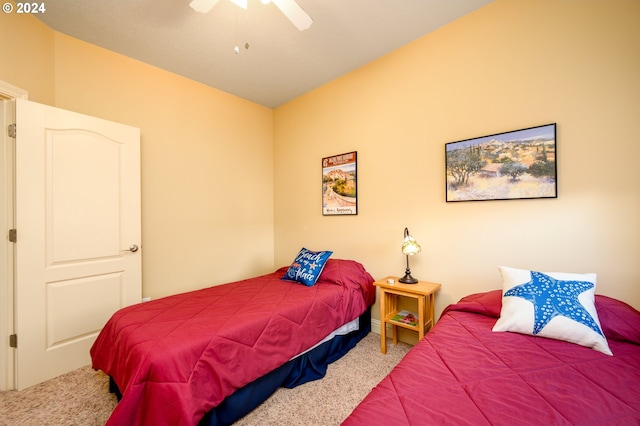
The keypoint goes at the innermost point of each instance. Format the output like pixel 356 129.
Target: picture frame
pixel 518 164
pixel 340 184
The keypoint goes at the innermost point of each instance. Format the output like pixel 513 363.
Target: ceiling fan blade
pixel 203 6
pixel 294 12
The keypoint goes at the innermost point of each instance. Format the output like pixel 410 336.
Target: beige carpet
pixel 82 397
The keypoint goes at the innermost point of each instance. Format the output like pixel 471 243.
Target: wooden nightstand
pixel 423 291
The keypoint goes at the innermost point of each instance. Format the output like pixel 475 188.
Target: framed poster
pixel 340 185
pixel 505 166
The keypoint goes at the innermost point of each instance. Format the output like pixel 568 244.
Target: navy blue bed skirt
pixel 302 369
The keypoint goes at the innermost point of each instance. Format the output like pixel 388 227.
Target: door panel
pixel 77 212
pixel 83 221
pixel 79 307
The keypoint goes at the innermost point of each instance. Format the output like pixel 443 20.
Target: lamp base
pixel 408 279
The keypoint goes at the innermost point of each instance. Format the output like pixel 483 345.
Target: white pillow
pixel 556 305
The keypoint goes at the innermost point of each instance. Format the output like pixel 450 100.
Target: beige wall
pixel 510 65
pixel 27 56
pixel 212 184
pixel 207 157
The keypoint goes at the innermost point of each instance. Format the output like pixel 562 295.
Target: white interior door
pixel 78 233
pixel 7 354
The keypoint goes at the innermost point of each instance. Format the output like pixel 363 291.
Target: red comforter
pixel 175 358
pixel 462 373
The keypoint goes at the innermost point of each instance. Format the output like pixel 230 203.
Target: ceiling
pixel 280 63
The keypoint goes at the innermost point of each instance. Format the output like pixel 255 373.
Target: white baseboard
pixel 375 325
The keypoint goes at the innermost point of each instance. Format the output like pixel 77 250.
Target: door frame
pixel 8 92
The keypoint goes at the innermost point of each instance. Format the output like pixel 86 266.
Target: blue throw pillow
pixel 307 266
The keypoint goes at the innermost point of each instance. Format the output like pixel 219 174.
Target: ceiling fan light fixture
pixel 292 10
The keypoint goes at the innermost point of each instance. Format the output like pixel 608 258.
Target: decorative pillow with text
pixel 555 305
pixel 307 266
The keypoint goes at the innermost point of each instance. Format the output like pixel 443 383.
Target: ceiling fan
pixel 290 8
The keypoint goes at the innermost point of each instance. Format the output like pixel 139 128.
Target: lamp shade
pixel 409 247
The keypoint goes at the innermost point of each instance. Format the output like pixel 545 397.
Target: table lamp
pixel 409 248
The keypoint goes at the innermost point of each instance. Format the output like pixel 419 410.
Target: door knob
pixel 133 248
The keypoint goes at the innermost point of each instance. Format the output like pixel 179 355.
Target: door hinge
pixel 13 235
pixel 13 341
pixel 12 130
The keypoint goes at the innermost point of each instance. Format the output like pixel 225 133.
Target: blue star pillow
pixel 555 305
pixel 307 266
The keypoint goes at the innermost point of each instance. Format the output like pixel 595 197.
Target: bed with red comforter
pixel 174 359
pixel 462 373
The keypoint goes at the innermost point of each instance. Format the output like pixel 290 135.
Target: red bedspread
pixel 175 358
pixel 462 373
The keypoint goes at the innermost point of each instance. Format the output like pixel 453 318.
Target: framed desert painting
pixel 504 166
